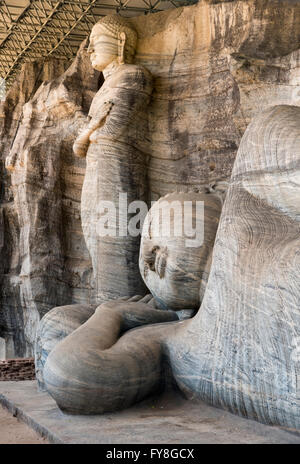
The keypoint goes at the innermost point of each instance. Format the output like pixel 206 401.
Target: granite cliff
pixel 215 66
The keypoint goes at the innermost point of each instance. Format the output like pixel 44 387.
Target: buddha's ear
pixel 121 47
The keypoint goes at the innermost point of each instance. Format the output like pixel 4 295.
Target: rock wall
pixel 11 311
pixel 215 65
pixel 44 259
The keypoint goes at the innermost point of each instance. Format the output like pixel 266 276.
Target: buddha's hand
pixel 10 161
pixel 135 312
pixel 104 111
pixel 82 142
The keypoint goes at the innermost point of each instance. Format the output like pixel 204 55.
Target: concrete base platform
pixel 168 419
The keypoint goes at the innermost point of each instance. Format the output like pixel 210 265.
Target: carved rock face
pixel 241 351
pixel 200 107
pixel 175 267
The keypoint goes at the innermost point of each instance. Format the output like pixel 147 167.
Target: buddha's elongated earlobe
pixel 121 47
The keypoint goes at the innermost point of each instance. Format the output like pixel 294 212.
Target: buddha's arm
pixel 95 369
pixel 126 100
pixel 82 142
pixel 124 111
pixel 54 327
pixel 129 102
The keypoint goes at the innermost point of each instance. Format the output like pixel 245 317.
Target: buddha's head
pixel 112 39
pixel 175 267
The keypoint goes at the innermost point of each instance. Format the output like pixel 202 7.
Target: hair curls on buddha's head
pixel 114 25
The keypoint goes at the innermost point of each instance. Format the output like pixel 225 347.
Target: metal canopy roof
pixel 31 29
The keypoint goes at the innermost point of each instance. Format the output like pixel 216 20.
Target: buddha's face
pixel 103 49
pixel 174 272
pixel 171 272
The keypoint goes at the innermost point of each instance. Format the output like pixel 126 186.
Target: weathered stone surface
pixel 215 66
pixel 11 307
pixel 240 352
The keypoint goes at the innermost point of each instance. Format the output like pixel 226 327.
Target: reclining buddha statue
pixel 240 351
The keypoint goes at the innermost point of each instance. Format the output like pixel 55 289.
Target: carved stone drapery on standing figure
pixel 116 163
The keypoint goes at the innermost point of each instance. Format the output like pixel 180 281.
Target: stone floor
pixel 168 419
pixel 14 432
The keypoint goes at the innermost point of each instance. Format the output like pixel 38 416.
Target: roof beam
pixel 43 28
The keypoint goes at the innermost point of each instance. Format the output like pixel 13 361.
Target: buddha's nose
pixel 156 260
pixel 90 49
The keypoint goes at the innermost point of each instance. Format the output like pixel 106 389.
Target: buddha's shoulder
pixel 135 74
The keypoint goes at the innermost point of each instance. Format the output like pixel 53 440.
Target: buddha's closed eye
pixel 155 260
